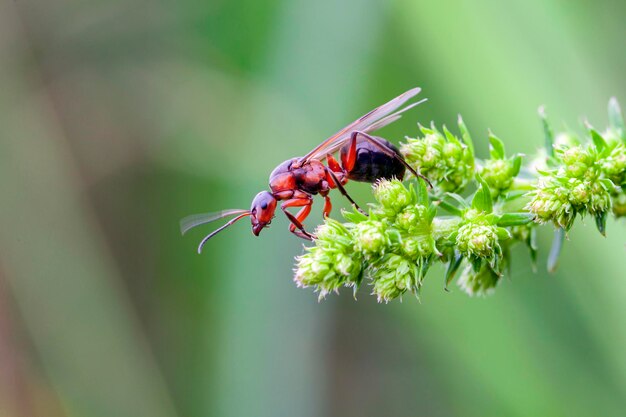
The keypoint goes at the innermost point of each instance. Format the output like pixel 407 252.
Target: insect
pixel 363 158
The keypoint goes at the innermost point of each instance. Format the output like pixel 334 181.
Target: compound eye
pixel 264 206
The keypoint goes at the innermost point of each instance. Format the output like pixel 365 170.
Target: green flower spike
pixel 408 230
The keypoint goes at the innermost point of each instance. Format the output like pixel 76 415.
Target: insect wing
pixel 364 123
pixel 387 120
pixel 194 220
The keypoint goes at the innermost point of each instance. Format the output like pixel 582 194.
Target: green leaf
pixel 354 216
pixel 465 135
pixel 601 222
pixel 517 164
pixel 462 202
pixel 555 250
pixel 450 208
pixel 453 267
pixel 422 192
pixel 616 121
pixel 482 199
pixel 451 138
pixel 513 195
pixel 502 233
pixel 491 218
pixel 477 264
pixel 422 271
pixel 547 131
pixel 608 185
pixel 515 219
pixel 533 248
pixel 425 130
pixel 434 127
pixel 496 147
pixel 431 213
pixel 598 140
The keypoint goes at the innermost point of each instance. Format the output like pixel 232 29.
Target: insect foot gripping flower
pixel 406 231
pixel 444 159
pixel 331 263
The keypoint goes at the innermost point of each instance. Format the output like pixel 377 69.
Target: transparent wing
pixel 371 121
pixel 387 120
pixel 194 220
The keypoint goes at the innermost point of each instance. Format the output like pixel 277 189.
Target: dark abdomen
pixel 372 163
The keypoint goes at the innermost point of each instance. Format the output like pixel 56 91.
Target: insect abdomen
pixel 372 164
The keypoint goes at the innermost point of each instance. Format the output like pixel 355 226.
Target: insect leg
pixel 342 190
pixel 386 150
pixel 296 221
pixel 328 206
pixel 350 158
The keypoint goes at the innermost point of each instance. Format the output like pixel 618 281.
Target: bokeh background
pixel 119 117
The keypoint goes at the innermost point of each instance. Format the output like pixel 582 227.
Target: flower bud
pixel 577 159
pixel 331 263
pixel 394 277
pixel 498 174
pixel 479 241
pixel 479 283
pixel 413 218
pixel 370 237
pixel 580 192
pixel 550 202
pixel 600 199
pixel 420 246
pixel 393 196
pixel 614 165
pixel 444 160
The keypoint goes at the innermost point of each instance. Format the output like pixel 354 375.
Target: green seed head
pixel 577 160
pixel 551 203
pixel 498 174
pixel 479 283
pixel 331 263
pixel 370 237
pixel 614 165
pixel 580 193
pixel 394 277
pixel 393 196
pixel 477 240
pixel 449 164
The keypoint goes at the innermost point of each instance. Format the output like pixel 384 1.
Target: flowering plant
pixel 474 213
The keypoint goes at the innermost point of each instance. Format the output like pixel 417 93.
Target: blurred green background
pixel 119 117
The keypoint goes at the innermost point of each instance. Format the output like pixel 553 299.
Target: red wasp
pixel 364 158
